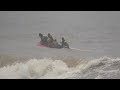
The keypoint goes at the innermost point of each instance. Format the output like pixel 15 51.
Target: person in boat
pixel 64 44
pixel 50 41
pixel 43 39
pixel 50 38
pixel 55 43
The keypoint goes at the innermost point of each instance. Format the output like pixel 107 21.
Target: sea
pixel 93 36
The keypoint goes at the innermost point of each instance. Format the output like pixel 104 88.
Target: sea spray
pixel 48 68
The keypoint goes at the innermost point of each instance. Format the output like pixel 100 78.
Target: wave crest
pixel 103 67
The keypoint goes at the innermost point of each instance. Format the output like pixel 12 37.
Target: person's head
pixel 63 39
pixel 40 35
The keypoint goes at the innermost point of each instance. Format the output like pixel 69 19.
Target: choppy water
pixel 96 34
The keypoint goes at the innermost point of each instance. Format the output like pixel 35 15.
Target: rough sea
pixel 94 37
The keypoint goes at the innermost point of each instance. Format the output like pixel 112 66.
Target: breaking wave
pixel 70 68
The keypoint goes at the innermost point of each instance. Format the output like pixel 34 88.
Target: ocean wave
pixel 69 68
pixel 10 60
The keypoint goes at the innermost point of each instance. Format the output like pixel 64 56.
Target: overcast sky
pixel 81 18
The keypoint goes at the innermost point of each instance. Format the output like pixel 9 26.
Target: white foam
pixel 79 49
pixel 34 69
pixel 103 67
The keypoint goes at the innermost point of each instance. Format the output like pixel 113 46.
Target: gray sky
pixel 82 18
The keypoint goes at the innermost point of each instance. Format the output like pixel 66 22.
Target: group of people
pixel 52 43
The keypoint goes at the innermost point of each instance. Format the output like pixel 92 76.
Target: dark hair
pixel 40 35
pixel 62 37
